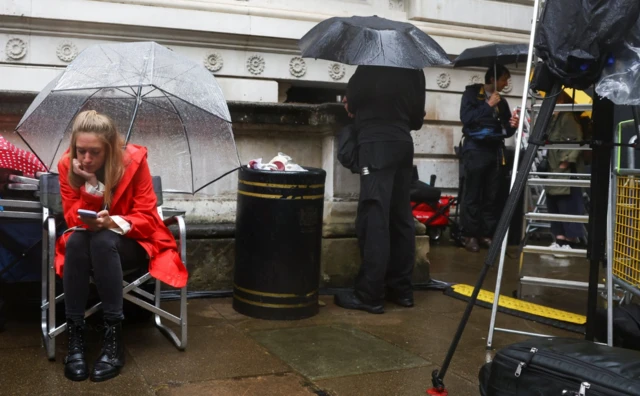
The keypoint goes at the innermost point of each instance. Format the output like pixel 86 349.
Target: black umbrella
pixel 372 41
pixel 492 54
pixel 156 97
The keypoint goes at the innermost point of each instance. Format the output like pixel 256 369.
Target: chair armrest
pixel 182 235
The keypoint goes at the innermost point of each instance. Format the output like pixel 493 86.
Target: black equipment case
pixel 561 366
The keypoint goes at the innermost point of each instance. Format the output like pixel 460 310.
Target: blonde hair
pixel 103 127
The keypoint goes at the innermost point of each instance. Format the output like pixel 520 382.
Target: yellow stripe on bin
pixel 522 306
pixel 279 196
pixel 269 305
pixel 277 295
pixel 273 185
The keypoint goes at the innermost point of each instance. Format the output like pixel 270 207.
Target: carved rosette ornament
pixel 476 80
pixel 297 67
pixel 16 48
pixel 508 88
pixel 396 5
pixel 66 51
pixel 443 80
pixel 213 61
pixel 337 71
pixel 255 64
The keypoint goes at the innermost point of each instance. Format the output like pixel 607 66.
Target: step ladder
pixel 539 218
pixel 535 197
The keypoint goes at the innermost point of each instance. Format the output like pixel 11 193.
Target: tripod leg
pixel 600 178
pixel 541 126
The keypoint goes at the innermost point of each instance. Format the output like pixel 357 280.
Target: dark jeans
pixel 106 254
pixel 384 223
pixel 482 179
pixel 571 204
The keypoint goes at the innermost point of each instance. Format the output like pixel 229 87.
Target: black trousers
pixel 107 254
pixel 483 176
pixel 384 223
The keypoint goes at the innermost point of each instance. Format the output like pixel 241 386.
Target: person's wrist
pixel 93 181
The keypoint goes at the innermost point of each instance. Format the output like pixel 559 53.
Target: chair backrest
pixel 157 188
pixel 50 192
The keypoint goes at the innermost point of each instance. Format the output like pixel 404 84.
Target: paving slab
pixel 27 371
pixel 335 351
pixel 214 352
pixel 272 385
pixel 396 383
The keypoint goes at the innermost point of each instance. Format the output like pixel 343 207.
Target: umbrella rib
pixel 217 178
pixel 118 71
pixel 118 87
pixel 124 92
pixel 103 84
pixel 70 121
pixel 194 105
pixel 159 107
pixel 186 136
pixel 153 90
pixel 185 72
pixel 67 127
pixel 32 150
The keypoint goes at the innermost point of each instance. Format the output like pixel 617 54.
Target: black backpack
pixel 348 148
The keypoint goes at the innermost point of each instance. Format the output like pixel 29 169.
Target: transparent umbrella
pixel 157 98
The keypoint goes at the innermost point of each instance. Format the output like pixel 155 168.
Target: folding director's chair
pixel 52 207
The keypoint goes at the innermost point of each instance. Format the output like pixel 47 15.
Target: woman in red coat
pixel 97 174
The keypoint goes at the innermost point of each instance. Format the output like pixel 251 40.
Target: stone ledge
pixel 210 262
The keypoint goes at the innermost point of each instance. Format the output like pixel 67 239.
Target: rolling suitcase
pixel 561 366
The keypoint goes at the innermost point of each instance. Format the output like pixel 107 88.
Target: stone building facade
pixel 251 48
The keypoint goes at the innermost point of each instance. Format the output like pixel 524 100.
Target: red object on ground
pixel 17 159
pixel 423 212
pixel 436 392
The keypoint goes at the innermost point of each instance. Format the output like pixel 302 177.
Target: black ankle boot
pixel 75 365
pixel 111 358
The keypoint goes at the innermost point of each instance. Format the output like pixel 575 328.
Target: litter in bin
pixel 280 162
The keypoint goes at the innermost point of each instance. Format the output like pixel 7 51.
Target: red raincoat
pixel 135 201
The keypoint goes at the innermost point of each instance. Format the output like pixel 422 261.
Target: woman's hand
pixel 564 165
pixel 103 222
pixel 89 177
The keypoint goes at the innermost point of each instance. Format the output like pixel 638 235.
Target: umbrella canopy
pixel 156 97
pixel 492 54
pixel 19 160
pixel 372 41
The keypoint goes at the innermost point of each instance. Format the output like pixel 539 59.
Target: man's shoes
pixel 406 302
pixel 472 245
pixel 486 242
pixel 349 300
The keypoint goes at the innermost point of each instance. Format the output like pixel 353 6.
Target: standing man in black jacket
pixel 487 121
pixel 387 103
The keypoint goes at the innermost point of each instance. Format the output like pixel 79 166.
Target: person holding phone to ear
pixel 98 173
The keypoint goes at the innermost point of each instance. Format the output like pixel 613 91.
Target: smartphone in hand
pixel 87 213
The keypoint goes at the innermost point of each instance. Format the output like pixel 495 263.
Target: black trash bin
pixel 278 243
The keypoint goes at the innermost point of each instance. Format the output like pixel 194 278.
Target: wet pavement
pixel 337 352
